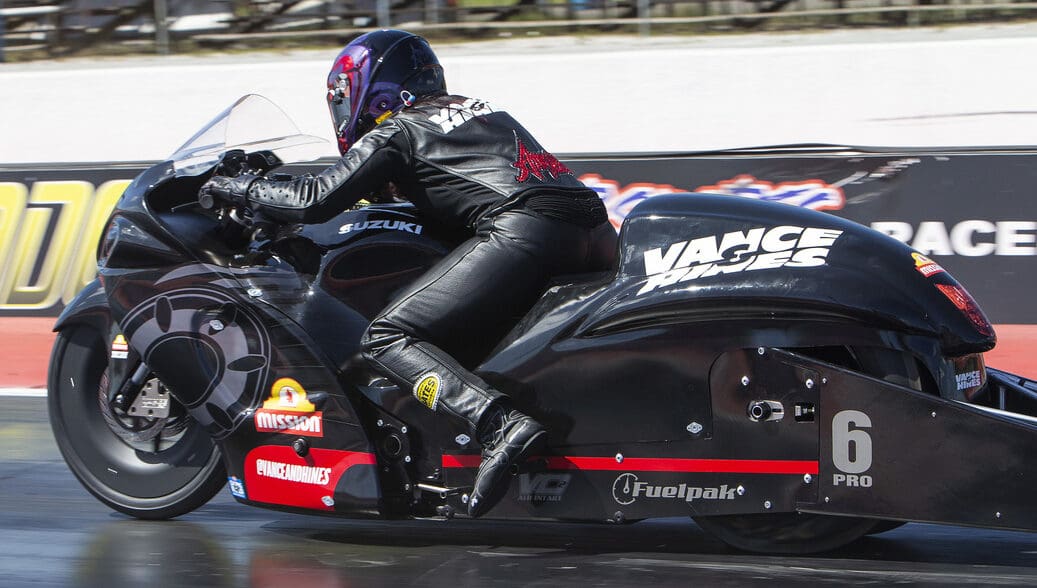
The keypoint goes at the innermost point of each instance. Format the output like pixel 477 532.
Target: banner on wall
pixel 974 212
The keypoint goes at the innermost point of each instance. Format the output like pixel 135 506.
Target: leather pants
pixel 441 326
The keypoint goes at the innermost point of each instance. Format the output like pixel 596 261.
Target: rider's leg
pixel 461 308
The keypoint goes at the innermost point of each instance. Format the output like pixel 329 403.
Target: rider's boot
pixel 508 438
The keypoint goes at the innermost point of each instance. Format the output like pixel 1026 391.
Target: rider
pixel 469 165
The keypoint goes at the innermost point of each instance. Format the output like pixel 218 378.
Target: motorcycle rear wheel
pixel 176 471
pixel 801 533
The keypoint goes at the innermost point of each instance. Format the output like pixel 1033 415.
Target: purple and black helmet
pixel 376 75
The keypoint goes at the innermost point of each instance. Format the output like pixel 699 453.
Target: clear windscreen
pixel 252 123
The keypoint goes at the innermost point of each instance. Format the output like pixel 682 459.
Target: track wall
pixel 972 211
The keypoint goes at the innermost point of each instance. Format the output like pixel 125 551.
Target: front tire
pixel 801 533
pixel 176 470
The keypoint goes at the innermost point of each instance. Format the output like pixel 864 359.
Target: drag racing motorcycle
pixel 791 380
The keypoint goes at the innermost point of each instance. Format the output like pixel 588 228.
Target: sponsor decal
pixel 120 348
pixel 427 390
pixel 388 225
pixel 738 251
pixel 538 164
pixel 462 439
pixel 968 380
pixel 287 394
pixel 628 488
pixel 851 449
pixel 970 374
pixel 457 114
pixel 812 194
pixel 541 488
pixel 48 239
pixel 290 423
pixel 968 238
pixel 275 474
pixel 293 472
pixel 655 464
pixel 237 488
pixel 926 266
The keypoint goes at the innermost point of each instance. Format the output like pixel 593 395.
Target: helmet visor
pixel 340 102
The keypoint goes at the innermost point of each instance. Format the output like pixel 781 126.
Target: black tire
pixel 883 526
pixel 173 478
pixel 801 533
pixel 785 533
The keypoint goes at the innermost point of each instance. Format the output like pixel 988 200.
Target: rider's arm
pixel 366 167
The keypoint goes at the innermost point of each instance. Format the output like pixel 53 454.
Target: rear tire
pixel 786 533
pixel 883 526
pixel 175 471
pixel 800 533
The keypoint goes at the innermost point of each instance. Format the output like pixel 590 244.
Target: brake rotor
pixel 148 417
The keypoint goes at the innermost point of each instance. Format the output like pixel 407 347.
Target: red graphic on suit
pixel 539 165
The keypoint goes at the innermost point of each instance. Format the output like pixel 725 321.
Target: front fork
pixel 130 390
pixel 123 393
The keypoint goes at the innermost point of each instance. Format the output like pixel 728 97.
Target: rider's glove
pixel 225 189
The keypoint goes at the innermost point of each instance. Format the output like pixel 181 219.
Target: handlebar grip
pixel 206 200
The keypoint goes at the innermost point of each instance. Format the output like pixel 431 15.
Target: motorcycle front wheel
pixel 800 533
pixel 149 468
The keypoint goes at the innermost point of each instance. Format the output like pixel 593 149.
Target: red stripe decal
pixel 658 464
pixel 461 461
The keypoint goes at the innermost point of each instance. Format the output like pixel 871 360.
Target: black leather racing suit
pixel 466 165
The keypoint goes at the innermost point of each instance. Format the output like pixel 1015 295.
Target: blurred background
pixel 128 80
pixel 50 29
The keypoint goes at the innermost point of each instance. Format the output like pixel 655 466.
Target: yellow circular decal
pixel 427 390
pixel 288 394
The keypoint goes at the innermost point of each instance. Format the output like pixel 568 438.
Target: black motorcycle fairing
pixel 689 256
pixel 89 306
pixel 351 225
pixel 865 280
pixel 242 355
pixel 185 288
pixel 149 227
pixel 373 252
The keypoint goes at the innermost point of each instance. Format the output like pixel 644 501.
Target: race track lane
pixel 52 533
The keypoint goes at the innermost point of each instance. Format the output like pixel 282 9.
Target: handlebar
pixel 236 162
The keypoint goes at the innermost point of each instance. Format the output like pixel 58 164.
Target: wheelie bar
pixel 891 452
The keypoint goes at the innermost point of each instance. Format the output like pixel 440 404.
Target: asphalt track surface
pixel 53 533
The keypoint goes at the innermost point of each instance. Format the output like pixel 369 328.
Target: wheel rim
pixel 110 454
pixel 143 432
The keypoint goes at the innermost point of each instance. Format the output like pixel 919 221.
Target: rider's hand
pixel 232 191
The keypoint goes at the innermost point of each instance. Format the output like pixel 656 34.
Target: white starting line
pixel 24 392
